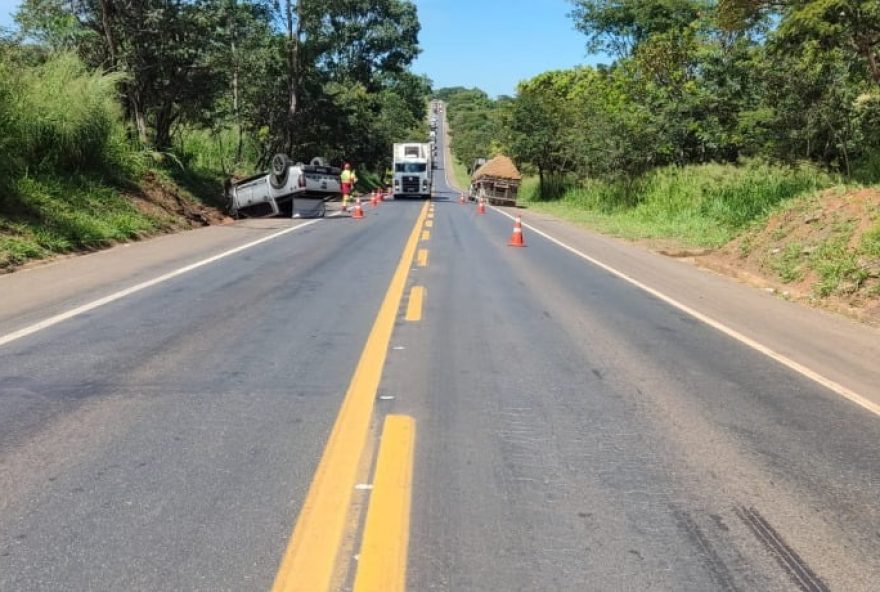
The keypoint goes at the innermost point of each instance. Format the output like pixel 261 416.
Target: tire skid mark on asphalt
pixel 798 571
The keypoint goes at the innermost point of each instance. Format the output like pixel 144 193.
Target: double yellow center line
pixel 309 562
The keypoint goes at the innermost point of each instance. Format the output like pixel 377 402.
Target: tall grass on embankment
pixel 69 174
pixel 701 205
pixel 460 175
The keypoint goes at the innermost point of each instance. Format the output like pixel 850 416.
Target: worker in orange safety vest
pixel 348 178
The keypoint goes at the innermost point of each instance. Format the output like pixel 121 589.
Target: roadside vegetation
pixel 120 122
pixel 710 122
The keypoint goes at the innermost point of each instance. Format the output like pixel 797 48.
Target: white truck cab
pixel 412 170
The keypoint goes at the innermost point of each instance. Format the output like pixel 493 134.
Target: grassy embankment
pixel 71 179
pixel 797 226
pixel 460 176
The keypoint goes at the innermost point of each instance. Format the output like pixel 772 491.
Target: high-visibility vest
pixel 347 177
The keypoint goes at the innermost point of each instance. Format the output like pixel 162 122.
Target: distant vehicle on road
pixel 291 189
pixel 413 170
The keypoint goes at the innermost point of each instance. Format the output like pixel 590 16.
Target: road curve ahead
pixel 406 402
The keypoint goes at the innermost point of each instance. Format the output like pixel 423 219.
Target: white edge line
pixel 74 312
pixel 784 360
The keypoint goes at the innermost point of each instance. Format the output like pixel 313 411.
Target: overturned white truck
pixel 289 189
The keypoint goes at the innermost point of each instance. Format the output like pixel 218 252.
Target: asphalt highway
pixel 296 416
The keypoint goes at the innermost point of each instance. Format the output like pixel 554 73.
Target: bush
pixel 217 150
pixel 60 117
pixel 700 204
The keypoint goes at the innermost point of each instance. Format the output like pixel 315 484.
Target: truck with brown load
pixel 496 181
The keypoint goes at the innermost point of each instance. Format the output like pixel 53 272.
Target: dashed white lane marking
pixel 730 332
pixel 79 310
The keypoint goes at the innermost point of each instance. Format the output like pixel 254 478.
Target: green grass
pixel 69 165
pixel 45 216
pixel 216 151
pixel 704 205
pixel 710 205
pixel 870 245
pixel 460 176
pixel 787 264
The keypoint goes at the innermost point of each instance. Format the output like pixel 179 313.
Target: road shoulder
pixel 833 346
pixel 33 294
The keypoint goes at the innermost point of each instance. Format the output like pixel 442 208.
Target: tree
pixel 852 26
pixel 618 27
pixel 308 77
pixel 162 45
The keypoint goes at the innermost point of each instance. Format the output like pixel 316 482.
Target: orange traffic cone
pixel 373 199
pixel 358 211
pixel 481 207
pixel 461 198
pixel 516 239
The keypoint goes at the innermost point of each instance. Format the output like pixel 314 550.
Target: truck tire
pixel 318 161
pixel 280 169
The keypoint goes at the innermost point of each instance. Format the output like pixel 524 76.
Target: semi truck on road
pixel 413 170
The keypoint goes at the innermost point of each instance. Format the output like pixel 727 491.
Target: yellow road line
pixel 426 235
pixel 414 306
pixel 429 224
pixel 422 258
pixel 308 562
pixel 382 563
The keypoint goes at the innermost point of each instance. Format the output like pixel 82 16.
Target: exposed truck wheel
pixel 280 169
pixel 318 161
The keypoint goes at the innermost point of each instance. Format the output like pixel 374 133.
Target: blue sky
pixel 491 44
pixel 7 7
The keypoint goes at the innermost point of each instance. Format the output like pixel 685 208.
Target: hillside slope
pixel 823 249
pixel 48 216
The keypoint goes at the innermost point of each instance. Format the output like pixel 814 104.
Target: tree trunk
pixel 540 182
pixel 165 118
pixel 137 110
pixel 865 48
pixel 240 144
pixel 107 25
pixel 294 40
pixel 236 106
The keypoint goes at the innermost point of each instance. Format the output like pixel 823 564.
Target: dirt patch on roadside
pixel 159 198
pixel 823 250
